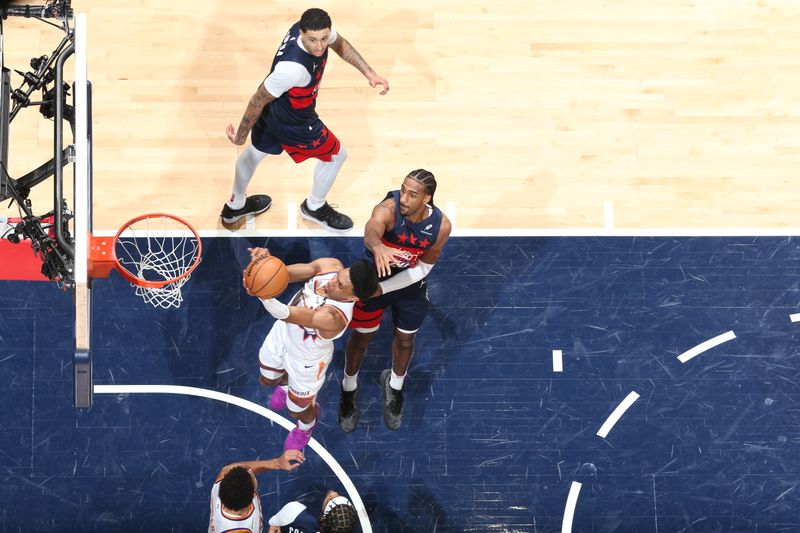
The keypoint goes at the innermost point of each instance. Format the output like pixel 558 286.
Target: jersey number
pixel 283 45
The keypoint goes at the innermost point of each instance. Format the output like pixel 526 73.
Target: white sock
pixel 245 168
pixel 350 383
pixel 324 176
pixel 306 427
pixel 396 382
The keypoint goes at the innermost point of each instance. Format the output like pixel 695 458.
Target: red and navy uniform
pixel 291 122
pixel 409 304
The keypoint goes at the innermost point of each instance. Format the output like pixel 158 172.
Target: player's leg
pixel 240 205
pixel 365 323
pixel 320 143
pixel 306 378
pixel 408 313
pixel 271 364
pixel 315 208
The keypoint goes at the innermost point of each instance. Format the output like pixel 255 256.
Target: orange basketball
pixel 266 277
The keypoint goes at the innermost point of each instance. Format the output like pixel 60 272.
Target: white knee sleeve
pixel 245 168
pixel 324 175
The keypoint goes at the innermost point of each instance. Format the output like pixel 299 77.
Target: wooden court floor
pixel 532 114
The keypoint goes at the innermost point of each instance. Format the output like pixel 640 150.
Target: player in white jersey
pixel 235 505
pixel 299 347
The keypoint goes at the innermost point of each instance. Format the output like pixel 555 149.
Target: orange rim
pixel 103 256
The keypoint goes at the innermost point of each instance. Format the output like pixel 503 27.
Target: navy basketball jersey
pixel 304 522
pixel 411 240
pixel 298 104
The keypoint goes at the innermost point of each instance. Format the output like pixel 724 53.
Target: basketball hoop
pixel 156 253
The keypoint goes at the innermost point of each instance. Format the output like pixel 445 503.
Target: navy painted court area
pixel 493 438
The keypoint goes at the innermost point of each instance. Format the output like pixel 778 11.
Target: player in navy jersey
pixel 338 516
pixel 282 116
pixel 403 239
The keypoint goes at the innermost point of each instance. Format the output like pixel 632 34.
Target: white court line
pixel 450 211
pixel 608 215
pixel 795 317
pixel 358 231
pixel 614 417
pixel 569 510
pixel 558 364
pixel 250 222
pixel 702 347
pixel 355 498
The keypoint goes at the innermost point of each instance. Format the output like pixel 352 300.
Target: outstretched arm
pixel 290 460
pixel 300 271
pixel 258 101
pixel 348 52
pixel 381 220
pixel 425 264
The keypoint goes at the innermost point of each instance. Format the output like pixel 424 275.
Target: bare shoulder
pixel 384 211
pixel 446 226
pixel 328 264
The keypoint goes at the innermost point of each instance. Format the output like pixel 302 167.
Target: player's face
pixel 340 288
pixel 413 197
pixel 315 41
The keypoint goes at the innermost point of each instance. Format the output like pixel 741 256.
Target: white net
pixel 158 249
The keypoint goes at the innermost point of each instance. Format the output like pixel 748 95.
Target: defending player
pixel 403 238
pixel 282 116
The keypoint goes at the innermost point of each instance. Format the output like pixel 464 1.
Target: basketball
pixel 266 277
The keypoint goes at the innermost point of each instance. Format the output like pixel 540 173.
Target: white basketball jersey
pixel 221 521
pixel 307 342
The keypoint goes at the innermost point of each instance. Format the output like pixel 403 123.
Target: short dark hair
pixel 426 178
pixel 314 19
pixel 236 489
pixel 341 519
pixel 364 279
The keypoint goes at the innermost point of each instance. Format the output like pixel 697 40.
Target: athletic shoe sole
pixel 323 224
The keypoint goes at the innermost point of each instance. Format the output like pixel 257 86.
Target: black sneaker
pixel 348 410
pixel 392 403
pixel 327 217
pixel 258 203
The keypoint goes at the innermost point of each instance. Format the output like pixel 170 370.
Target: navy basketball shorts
pixel 301 141
pixel 409 306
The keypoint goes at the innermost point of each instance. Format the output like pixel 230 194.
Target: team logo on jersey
pixel 313 67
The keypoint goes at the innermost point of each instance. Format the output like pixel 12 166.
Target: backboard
pixel 5 102
pixel 82 171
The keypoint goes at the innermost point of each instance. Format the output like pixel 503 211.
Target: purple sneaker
pixel 277 401
pixel 297 438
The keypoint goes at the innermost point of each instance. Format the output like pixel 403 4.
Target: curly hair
pixel 364 280
pixel 314 19
pixel 341 519
pixel 236 489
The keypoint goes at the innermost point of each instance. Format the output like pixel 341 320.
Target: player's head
pixel 417 192
pixel 315 30
pixel 358 282
pixel 338 514
pixel 237 488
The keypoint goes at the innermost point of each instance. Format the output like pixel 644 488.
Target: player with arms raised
pixel 403 238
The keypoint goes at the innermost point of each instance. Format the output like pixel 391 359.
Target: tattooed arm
pixel 348 52
pixel 258 101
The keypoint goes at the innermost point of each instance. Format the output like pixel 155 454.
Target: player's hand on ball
pixel 257 253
